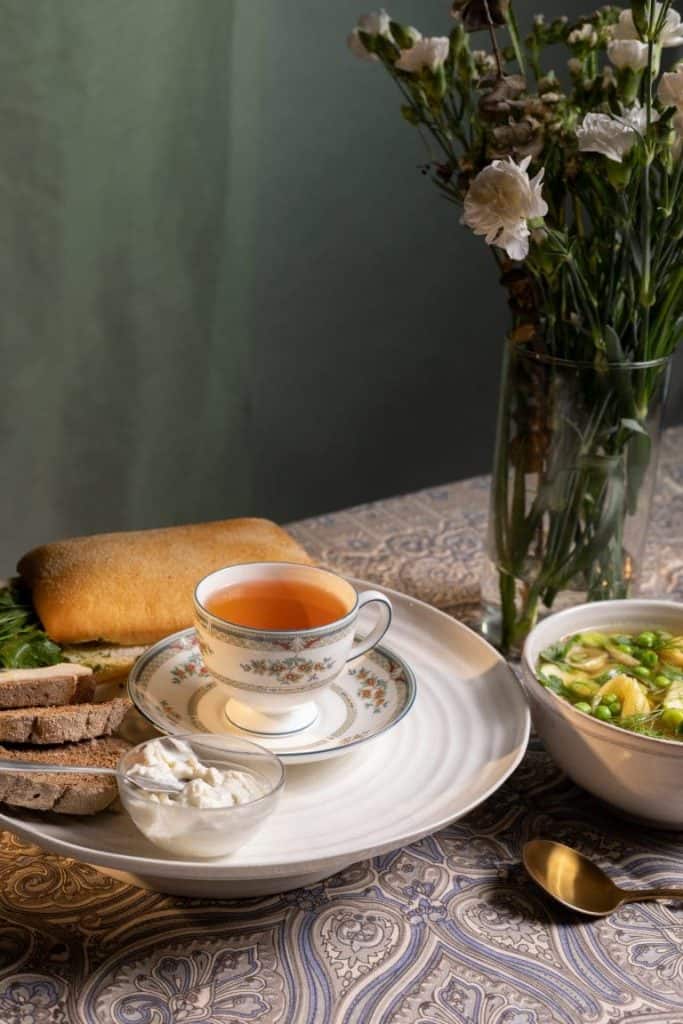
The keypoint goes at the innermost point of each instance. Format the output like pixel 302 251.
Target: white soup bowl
pixel 638 775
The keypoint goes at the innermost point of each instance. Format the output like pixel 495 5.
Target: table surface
pixel 446 931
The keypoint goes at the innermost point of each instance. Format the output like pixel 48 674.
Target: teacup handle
pixel 366 644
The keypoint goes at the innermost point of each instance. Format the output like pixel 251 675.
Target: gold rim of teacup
pixel 330 627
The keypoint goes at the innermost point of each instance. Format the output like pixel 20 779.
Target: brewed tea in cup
pixel 276 605
pixel 275 634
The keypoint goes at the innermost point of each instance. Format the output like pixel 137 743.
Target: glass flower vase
pixel 574 470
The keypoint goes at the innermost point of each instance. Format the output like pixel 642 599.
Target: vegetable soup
pixel 634 681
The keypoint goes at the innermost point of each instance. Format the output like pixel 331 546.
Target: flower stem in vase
pixel 572 481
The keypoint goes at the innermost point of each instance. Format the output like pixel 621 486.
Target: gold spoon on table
pixel 580 884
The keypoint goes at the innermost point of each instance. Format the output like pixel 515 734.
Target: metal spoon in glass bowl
pixel 140 781
pixel 578 883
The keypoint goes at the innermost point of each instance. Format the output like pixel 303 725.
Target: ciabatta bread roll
pixel 136 587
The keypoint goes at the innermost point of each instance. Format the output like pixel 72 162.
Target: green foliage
pixel 23 644
pixel 607 274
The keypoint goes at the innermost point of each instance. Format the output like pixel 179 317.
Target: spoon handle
pixel 639 895
pixel 37 766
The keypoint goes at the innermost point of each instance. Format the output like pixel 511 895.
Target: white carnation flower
pixel 671 33
pixel 672 29
pixel 357 47
pixel 430 52
pixel 670 91
pixel 625 27
pixel 627 53
pixel 376 23
pixel 635 117
pixel 613 137
pixel 499 203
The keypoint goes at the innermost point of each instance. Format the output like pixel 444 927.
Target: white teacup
pixel 274 676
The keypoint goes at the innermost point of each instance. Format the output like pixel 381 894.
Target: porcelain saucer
pixel 172 688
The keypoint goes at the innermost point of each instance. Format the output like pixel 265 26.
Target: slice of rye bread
pixel 46 687
pixel 68 724
pixel 64 794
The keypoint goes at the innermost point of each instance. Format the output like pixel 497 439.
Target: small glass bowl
pixel 204 832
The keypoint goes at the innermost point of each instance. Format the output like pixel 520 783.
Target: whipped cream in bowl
pixel 227 786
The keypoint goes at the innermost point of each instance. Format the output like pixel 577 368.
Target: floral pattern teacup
pixel 273 677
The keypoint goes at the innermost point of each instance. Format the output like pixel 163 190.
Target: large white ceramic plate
pixel 465 734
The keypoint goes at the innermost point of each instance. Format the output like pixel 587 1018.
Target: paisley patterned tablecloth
pixel 446 931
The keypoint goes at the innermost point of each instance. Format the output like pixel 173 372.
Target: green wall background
pixel 225 287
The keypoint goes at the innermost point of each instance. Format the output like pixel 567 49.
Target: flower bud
pixel 584 37
pixel 438 85
pixel 404 35
pixel 466 65
pixel 557 30
pixel 670 91
pixel 640 14
pixel 385 48
pixel 484 63
pixel 363 40
pixel 410 114
pixel 619 174
pixel 548 83
pixel 458 37
pixel 629 84
pixel 668 154
pixel 609 80
pixel 361 45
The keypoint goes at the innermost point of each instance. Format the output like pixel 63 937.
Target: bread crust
pixel 136 587
pixel 45 687
pixel 70 724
